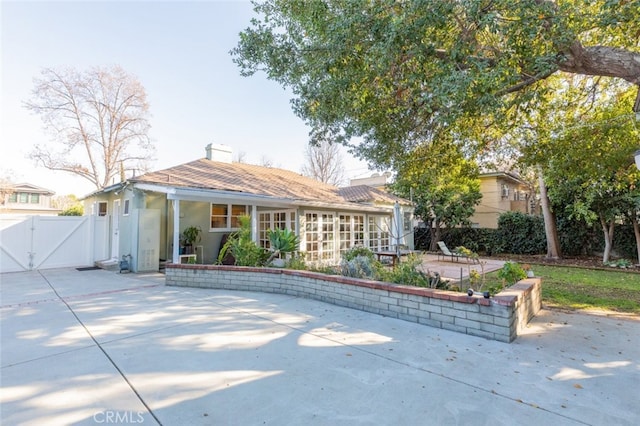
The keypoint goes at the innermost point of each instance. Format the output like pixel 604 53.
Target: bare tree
pixel 6 189
pixel 98 120
pixel 324 163
pixel 240 157
pixel 266 161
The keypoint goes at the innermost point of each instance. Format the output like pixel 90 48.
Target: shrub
pixel 407 273
pixel 76 210
pixel 356 251
pixel 296 261
pixel 281 241
pixel 245 251
pixel 358 267
pixel 520 233
pixel 511 273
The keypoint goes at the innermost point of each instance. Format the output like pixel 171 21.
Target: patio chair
pixel 445 252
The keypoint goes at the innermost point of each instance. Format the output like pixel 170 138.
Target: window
pixel 351 231
pixel 236 212
pixel 219 214
pixel 226 216
pixel 24 197
pixel 319 236
pixel 379 233
pixel 274 220
pixel 13 197
pixel 126 208
pixel 35 198
pixel 102 208
pixel 407 221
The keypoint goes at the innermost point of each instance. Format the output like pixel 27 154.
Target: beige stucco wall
pixel 493 203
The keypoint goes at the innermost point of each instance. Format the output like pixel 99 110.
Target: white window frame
pixel 267 220
pixel 228 216
pixel 348 230
pixel 125 208
pixel 378 233
pixel 325 248
pixel 106 208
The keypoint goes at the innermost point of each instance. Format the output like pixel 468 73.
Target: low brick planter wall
pixel 498 318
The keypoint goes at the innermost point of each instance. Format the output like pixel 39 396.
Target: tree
pixel 67 202
pixel 443 185
pixel 395 72
pixel 98 120
pixel 588 164
pixel 6 189
pixel 324 163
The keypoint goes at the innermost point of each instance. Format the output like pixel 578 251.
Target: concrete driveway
pixel 97 347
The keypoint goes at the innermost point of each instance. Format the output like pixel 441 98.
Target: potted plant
pixel 189 237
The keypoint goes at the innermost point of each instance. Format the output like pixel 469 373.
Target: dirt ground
pixel 592 262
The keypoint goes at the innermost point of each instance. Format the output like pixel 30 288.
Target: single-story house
pixel 148 213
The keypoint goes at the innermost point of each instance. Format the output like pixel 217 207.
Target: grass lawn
pixel 579 288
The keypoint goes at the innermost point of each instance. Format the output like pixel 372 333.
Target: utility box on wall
pixel 148 256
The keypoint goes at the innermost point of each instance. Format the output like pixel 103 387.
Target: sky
pixel 179 51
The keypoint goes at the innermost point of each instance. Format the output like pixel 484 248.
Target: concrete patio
pixel 96 346
pixel 457 270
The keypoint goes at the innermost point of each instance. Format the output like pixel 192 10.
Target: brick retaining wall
pixel 498 318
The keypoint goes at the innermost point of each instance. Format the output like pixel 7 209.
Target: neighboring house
pixel 501 192
pixel 25 198
pixel 148 212
pixel 376 180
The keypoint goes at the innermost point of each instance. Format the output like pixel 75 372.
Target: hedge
pixel 520 233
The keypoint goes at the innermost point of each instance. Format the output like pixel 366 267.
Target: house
pixel 376 180
pixel 501 192
pixel 27 199
pixel 149 212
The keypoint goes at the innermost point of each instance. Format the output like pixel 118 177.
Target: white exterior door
pixel 320 237
pixel 115 230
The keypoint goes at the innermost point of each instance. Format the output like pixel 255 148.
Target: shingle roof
pixel 368 194
pixel 244 178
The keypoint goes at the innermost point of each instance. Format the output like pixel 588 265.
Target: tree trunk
pixel 436 232
pixel 550 230
pixel 607 229
pixel 602 61
pixel 636 232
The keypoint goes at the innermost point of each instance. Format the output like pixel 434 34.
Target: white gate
pixel 42 242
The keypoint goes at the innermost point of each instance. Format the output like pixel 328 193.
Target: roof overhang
pixel 209 195
pixel 505 175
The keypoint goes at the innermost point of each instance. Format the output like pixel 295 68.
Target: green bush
pixel 76 210
pixel 520 233
pixel 511 273
pixel 296 261
pixel 358 267
pixel 244 250
pixel 576 237
pixel 406 273
pixel 282 241
pixel 358 251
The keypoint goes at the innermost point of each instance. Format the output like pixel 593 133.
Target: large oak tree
pixel 395 73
